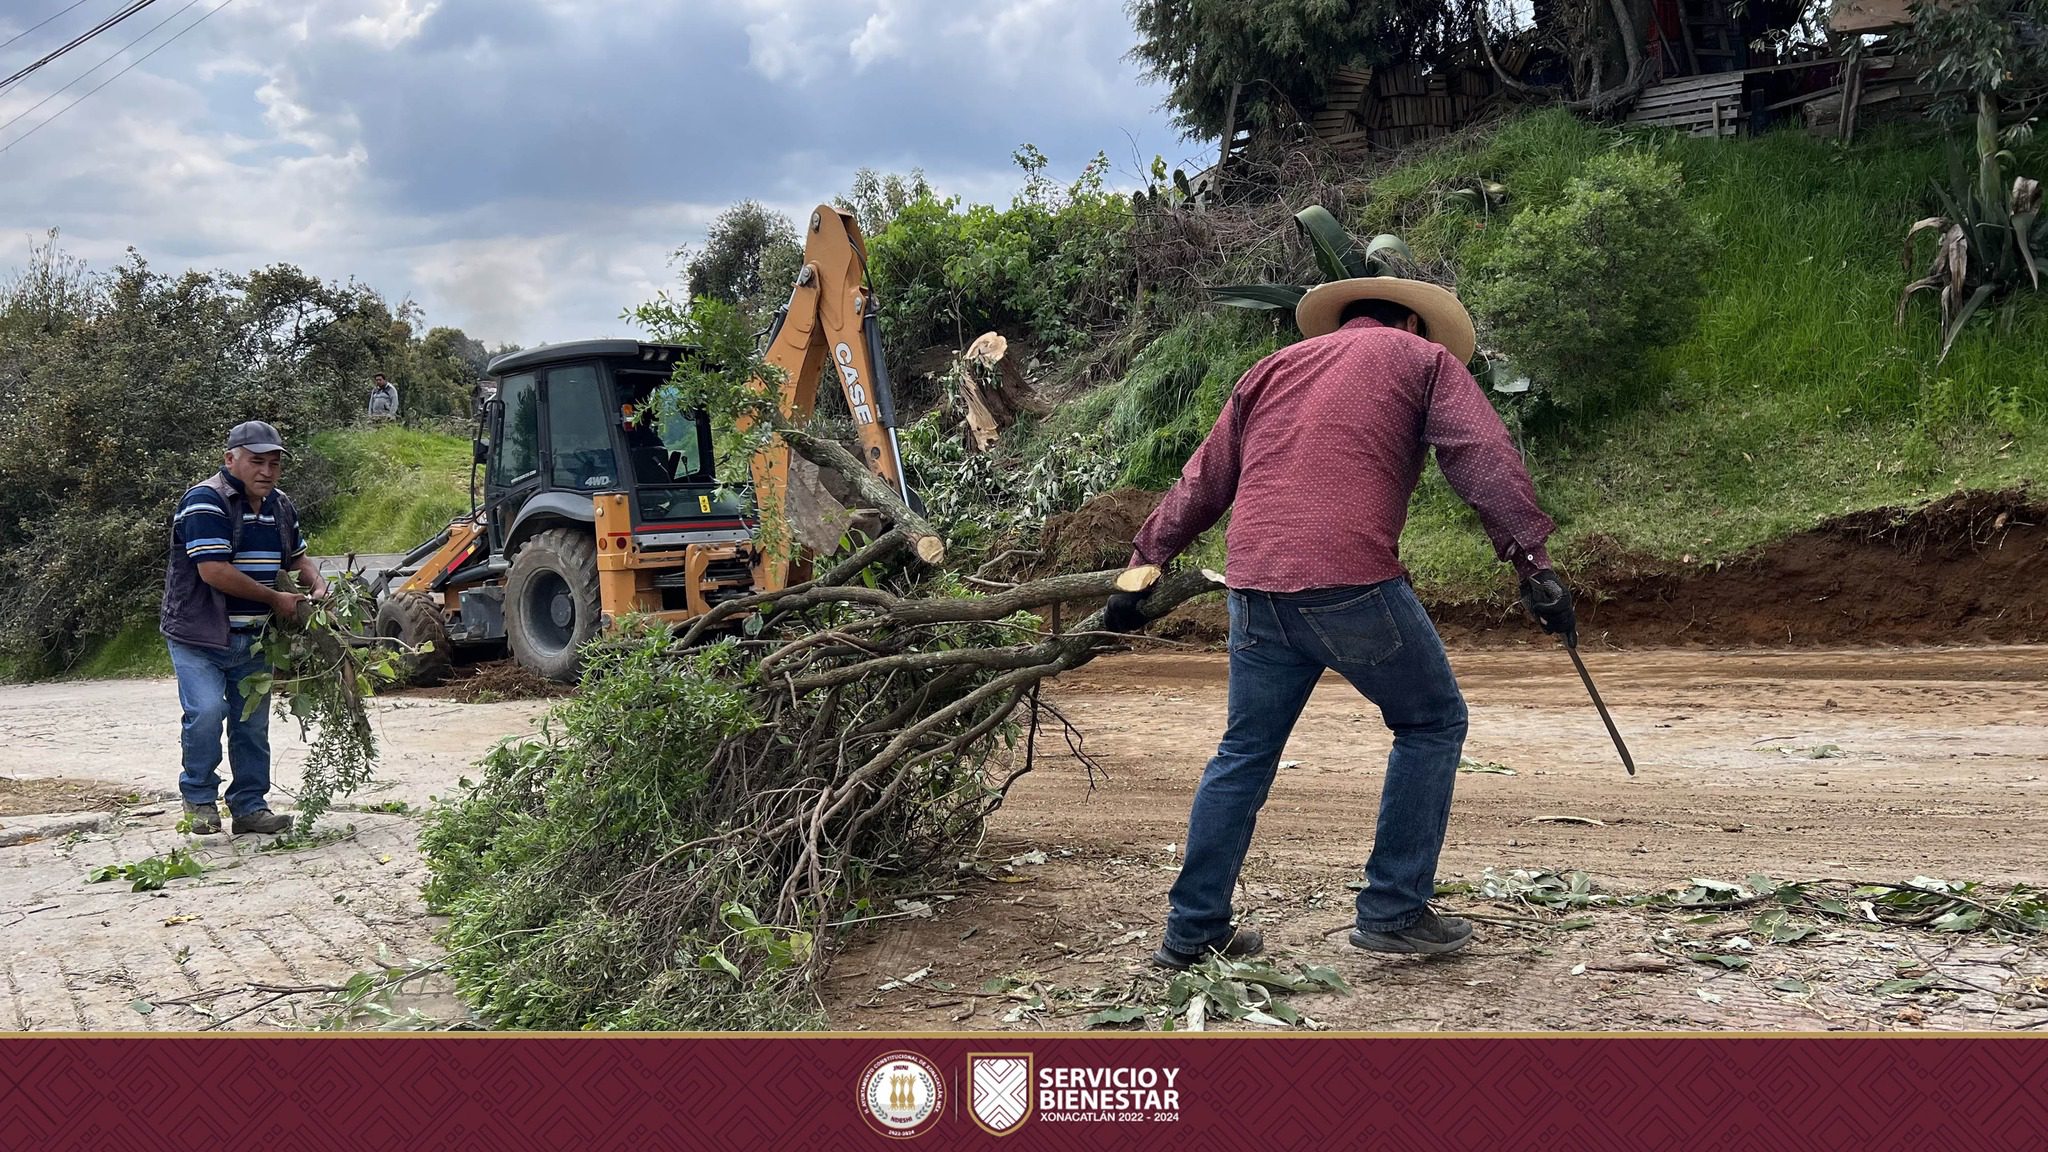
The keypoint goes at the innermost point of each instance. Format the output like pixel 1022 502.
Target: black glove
pixel 1550 602
pixel 1122 614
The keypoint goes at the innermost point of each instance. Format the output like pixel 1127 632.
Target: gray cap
pixel 256 436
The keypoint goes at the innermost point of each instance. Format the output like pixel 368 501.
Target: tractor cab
pixel 590 508
pixel 572 421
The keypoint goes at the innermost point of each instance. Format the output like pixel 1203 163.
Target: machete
pixel 1571 645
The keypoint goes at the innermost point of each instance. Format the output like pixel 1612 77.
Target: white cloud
pixel 390 23
pixel 881 37
pixel 525 168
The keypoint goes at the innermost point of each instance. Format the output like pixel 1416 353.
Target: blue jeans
pixel 209 689
pixel 1379 638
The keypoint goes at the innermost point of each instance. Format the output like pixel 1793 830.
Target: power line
pixel 117 54
pixel 9 147
pixel 76 4
pixel 88 34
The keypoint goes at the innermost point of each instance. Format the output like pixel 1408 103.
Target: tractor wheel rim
pixel 550 611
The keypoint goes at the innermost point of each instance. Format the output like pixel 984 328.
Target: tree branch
pixel 924 538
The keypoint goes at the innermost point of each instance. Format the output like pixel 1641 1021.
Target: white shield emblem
pixel 999 1090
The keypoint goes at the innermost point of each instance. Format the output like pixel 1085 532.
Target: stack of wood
pixel 993 390
pixel 1398 105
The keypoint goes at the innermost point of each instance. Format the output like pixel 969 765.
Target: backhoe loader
pixel 587 512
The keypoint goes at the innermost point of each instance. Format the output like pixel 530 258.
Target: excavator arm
pixel 829 321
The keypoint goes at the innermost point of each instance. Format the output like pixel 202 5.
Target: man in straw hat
pixel 1318 451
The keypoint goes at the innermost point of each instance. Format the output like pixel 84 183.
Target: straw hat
pixel 1444 319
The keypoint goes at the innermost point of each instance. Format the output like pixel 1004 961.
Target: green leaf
pixel 1963 920
pixel 1125 1014
pixel 1382 246
pixel 102 875
pixel 1576 923
pixel 1963 315
pixel 739 917
pixel 1904 986
pixel 1325 977
pixel 1725 961
pixel 715 961
pixel 1336 253
pixel 142 1007
pixel 1791 984
pixel 1269 296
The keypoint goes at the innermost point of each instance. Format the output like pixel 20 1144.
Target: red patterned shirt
pixel 1319 449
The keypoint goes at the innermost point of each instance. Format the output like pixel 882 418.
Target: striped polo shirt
pixel 260 552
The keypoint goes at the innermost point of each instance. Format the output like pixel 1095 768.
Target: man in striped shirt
pixel 232 537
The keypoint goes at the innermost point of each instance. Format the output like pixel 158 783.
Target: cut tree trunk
pixel 994 391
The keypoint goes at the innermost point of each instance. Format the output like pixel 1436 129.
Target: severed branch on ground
pixel 722 802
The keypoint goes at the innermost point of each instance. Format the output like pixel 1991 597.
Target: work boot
pixel 262 822
pixel 1432 935
pixel 205 819
pixel 1240 942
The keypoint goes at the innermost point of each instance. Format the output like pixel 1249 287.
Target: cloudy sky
pixel 524 168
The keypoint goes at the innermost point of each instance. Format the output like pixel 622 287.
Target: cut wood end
pixel 931 549
pixel 1212 576
pixel 988 349
pixel 1137 579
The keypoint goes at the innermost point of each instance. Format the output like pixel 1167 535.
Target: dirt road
pixel 1869 765
pixel 1872 765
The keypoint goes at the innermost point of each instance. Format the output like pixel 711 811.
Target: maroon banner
pixel 1024 1092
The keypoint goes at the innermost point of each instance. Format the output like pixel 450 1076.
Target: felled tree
pixel 687 841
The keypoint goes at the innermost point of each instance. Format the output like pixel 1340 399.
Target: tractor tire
pixel 415 621
pixel 551 602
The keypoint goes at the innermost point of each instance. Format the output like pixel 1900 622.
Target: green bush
pixel 1052 265
pixel 119 390
pixel 1585 292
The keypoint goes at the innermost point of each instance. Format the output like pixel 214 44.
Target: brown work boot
pixel 262 822
pixel 203 819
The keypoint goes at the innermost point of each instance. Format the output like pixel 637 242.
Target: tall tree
pixel 1282 52
pixel 750 257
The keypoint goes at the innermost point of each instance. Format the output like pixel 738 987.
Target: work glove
pixel 1550 602
pixel 1122 613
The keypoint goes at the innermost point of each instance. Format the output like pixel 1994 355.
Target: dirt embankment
pixel 1968 569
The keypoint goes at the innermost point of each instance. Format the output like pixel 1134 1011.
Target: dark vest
pixel 194 611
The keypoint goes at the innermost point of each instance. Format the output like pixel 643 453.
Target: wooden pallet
pixel 1710 105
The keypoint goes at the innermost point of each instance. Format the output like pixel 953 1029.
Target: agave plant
pixel 1337 255
pixel 1985 243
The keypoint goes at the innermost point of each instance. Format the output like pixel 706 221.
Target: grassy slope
pixel 397 487
pixel 1796 399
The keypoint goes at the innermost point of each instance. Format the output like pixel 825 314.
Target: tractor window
pixel 518 454
pixel 664 452
pixel 579 430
